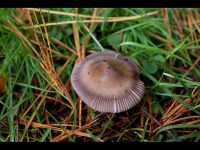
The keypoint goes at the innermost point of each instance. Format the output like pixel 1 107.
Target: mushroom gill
pixel 108 82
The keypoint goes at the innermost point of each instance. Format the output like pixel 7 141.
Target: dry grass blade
pixel 119 19
pixel 47 119
pixel 192 66
pixel 31 106
pixel 62 13
pixel 175 111
pixel 178 24
pixel 65 65
pixel 158 123
pixel 69 132
pixel 92 27
pixel 63 45
pixel 79 53
pixel 23 38
pixel 78 15
pixel 76 40
pixel 47 62
pixel 31 119
pixel 166 21
pixel 47 38
pixel 43 48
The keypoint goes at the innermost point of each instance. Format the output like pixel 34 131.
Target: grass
pixel 38 50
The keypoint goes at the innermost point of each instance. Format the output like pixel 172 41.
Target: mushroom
pixel 108 82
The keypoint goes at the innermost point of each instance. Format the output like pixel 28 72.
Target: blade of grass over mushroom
pixel 94 38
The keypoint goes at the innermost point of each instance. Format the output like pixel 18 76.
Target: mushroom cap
pixel 108 82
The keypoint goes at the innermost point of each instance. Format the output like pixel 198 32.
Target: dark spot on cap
pixel 126 59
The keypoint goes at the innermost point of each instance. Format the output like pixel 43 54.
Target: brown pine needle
pixel 31 119
pixel 63 45
pixel 69 132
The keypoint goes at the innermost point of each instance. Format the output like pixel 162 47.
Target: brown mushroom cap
pixel 108 82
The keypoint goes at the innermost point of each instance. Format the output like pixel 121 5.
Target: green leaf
pixel 150 67
pixel 187 136
pixel 178 126
pixel 159 58
pixel 92 114
pixel 59 35
pixel 69 31
pixel 114 40
pixel 156 107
